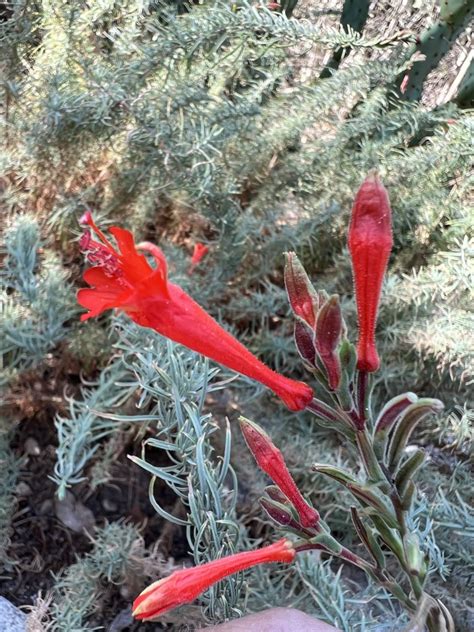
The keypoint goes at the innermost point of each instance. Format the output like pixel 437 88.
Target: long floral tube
pixel 370 243
pixel 185 585
pixel 122 278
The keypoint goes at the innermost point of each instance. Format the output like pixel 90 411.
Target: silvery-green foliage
pixel 78 588
pixel 81 431
pixel 216 115
pixel 172 384
pixel 37 301
pixel 446 527
pixel 10 466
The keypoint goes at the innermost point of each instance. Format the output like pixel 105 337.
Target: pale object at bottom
pixel 274 620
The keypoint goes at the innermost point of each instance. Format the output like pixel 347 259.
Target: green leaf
pixel 408 421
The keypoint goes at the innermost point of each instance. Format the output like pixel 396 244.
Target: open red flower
pixel 370 242
pixel 123 278
pixel 185 585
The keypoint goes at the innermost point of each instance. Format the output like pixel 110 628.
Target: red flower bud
pixel 122 277
pixel 185 585
pixel 200 251
pixel 278 512
pixel 303 297
pixel 271 461
pixel 304 340
pixel 328 334
pixel 370 242
pixel 275 493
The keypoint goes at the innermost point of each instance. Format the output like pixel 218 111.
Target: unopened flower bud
pixel 304 340
pixel 271 461
pixel 303 297
pixel 328 334
pixel 277 512
pixel 370 243
pixel 275 493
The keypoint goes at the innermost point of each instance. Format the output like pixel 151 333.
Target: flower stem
pixel 362 388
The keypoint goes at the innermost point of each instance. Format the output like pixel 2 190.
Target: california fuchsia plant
pixel 340 399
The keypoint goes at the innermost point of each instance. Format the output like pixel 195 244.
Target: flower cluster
pixel 123 277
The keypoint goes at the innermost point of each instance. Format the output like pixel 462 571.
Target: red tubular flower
pixel 271 461
pixel 370 242
pixel 123 278
pixel 185 585
pixel 200 251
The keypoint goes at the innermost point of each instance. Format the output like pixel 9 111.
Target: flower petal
pixel 97 277
pixel 97 301
pixel 135 266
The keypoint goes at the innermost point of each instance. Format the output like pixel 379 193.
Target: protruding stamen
pixel 86 218
pixel 100 255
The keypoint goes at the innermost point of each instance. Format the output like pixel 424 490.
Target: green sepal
pixel 386 419
pixel 390 537
pixel 343 392
pixel 279 513
pixel 408 470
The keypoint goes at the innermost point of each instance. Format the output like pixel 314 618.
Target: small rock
pixel 23 489
pixel 11 618
pixel 122 621
pixel 32 447
pixel 73 514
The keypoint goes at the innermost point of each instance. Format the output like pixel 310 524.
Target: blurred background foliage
pixel 248 129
